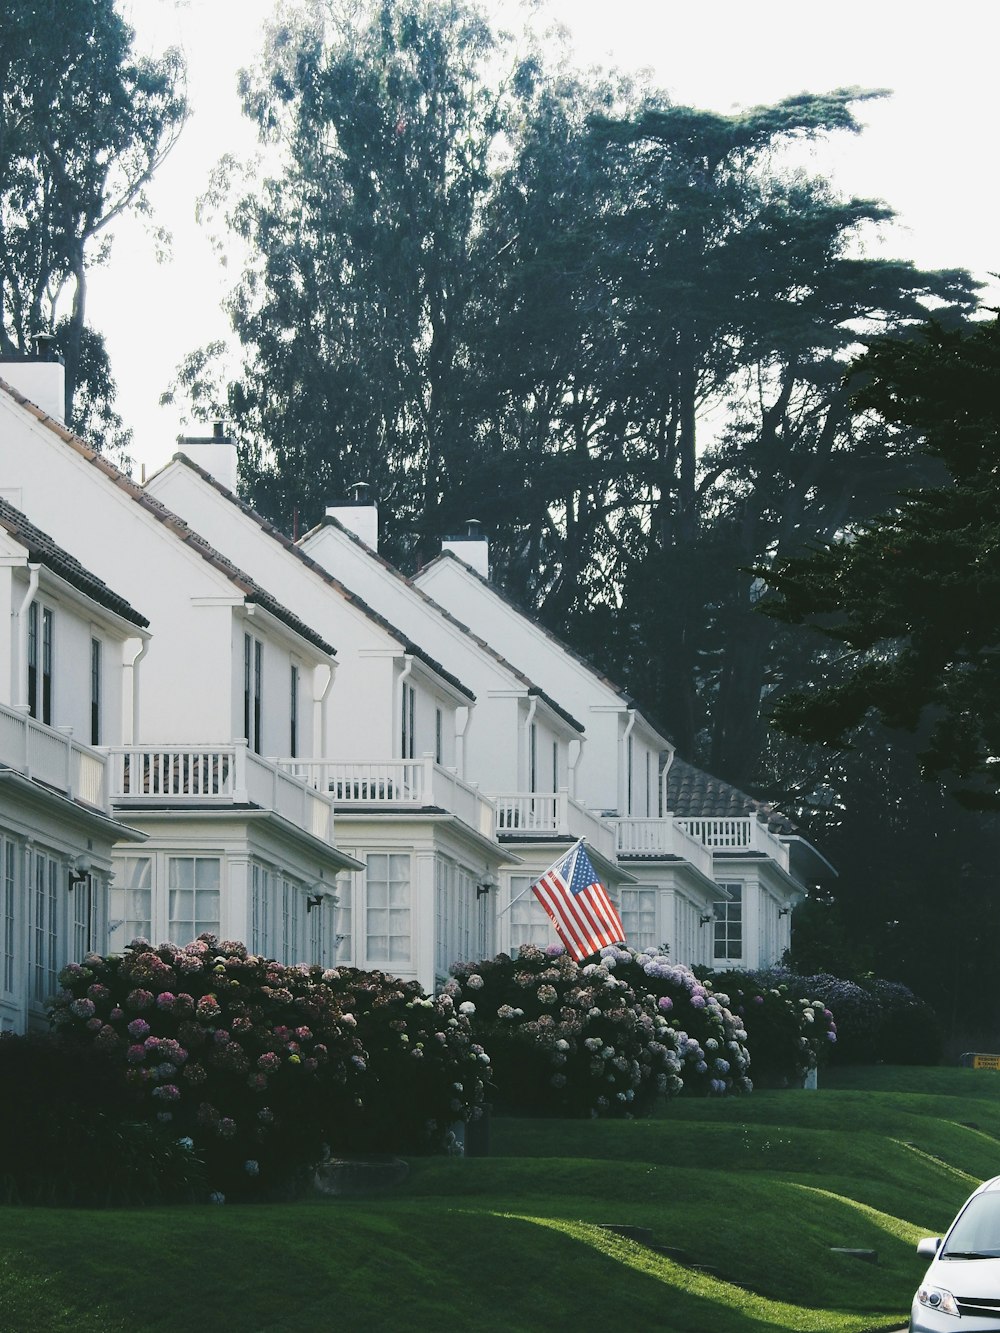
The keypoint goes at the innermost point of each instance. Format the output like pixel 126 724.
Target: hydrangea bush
pixel 787 1034
pixel 260 1069
pixel 877 1020
pixel 564 1039
pixel 711 1039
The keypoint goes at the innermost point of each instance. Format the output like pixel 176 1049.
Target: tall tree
pixel 84 124
pixel 911 598
pixel 658 264
pixel 353 312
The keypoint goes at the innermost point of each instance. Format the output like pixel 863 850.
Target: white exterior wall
pixel 76 621
pixel 191 681
pixel 364 706
pixel 496 753
pixel 238 845
pixel 602 777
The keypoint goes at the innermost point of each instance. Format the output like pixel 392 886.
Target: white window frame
pixel 389 908
pixel 729 927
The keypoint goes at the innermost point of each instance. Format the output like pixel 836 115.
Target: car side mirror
pixel 929 1246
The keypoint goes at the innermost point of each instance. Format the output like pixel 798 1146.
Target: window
pixel 95 691
pixel 388 908
pixel 528 922
pixel 260 911
pixel 638 909
pixel 294 713
pixel 193 897
pixel 555 765
pixel 83 907
pixel 290 901
pixel 44 927
pixel 132 899
pixel 454 896
pixel 729 924
pixel 533 758
pixel 344 951
pixel 409 709
pixel 7 917
pixel 438 736
pixel 40 663
pixel 253 654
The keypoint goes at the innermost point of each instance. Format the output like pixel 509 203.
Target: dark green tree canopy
pixel 83 126
pixel 913 598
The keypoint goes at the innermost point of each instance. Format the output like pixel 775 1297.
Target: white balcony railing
pixel 228 774
pixel 661 837
pixel 522 814
pixel 53 757
pixel 409 782
pixel 737 834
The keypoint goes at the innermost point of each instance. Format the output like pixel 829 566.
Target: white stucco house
pixel 394 757
pixel 293 744
pixel 717 873
pixel 67 642
pixel 226 676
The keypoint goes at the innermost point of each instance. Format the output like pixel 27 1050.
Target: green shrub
pixel 263 1069
pixel 72 1132
pixel 787 1034
pixel 563 1039
pixel 710 1037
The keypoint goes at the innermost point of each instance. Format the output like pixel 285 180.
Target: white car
pixel 960 1292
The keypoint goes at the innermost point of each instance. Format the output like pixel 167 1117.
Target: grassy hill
pixel 750 1195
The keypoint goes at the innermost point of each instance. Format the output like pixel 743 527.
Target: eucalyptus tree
pixel 354 309
pixel 84 124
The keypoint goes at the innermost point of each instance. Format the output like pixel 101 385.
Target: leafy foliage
pixel 83 126
pixel 72 1133
pixel 912 596
pixel 261 1069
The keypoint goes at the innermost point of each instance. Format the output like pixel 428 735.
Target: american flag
pixel 578 905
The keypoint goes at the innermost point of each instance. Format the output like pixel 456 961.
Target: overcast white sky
pixel 928 151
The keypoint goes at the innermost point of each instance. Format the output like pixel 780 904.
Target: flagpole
pixel 576 844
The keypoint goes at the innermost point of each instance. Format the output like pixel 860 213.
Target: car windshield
pixel 976 1233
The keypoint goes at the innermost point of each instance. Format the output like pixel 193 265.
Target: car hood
pixel 966 1277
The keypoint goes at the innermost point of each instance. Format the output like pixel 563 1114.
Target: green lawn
pixel 756 1191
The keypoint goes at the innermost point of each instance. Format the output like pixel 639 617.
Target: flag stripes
pixel 578 905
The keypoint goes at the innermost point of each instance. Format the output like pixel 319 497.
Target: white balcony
pixel 230 774
pixel 661 837
pixel 524 814
pixel 50 755
pixel 737 835
pixel 415 783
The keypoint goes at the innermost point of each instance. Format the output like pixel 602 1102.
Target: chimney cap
pixel 358 493
pixel 474 528
pixel 45 346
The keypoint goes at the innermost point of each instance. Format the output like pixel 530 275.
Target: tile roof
pixel 267 526
pixel 694 794
pixel 252 592
pixel 43 550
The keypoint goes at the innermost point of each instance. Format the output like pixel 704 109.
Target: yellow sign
pixel 985 1061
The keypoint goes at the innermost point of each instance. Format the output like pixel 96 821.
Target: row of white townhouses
pixel 205 726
